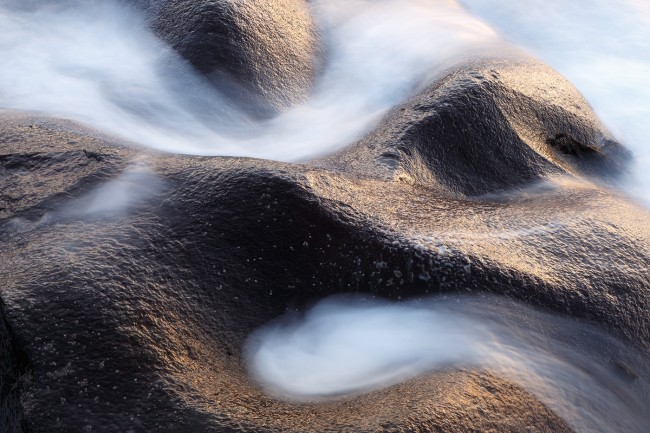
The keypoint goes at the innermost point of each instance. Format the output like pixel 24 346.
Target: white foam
pixel 96 62
pixel 346 346
pixel 115 197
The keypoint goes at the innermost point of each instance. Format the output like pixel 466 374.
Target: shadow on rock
pixel 138 320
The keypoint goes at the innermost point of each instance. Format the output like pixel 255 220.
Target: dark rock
pixel 488 126
pixel 137 320
pixel 14 379
pixel 262 53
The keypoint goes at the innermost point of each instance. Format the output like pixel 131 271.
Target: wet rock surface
pixel 136 320
pixel 487 126
pixel 264 53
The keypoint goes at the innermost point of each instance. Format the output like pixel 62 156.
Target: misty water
pixel 97 63
pixel 347 345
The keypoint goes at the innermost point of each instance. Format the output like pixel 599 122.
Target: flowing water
pixel 96 62
pixel 590 379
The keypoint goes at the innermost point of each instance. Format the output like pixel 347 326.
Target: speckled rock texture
pixel 135 320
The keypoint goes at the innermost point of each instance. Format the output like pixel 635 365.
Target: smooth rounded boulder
pixel 487 126
pixel 262 53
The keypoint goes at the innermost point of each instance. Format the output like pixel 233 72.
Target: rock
pixel 141 319
pixel 263 53
pixel 138 320
pixel 14 379
pixel 487 126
